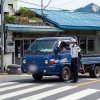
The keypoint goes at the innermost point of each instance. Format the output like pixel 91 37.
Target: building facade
pixel 10 6
pixel 23 35
pixel 85 26
pixel 89 40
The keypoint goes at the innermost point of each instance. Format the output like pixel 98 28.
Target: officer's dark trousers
pixel 74 68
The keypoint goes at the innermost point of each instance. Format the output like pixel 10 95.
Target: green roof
pixel 29 28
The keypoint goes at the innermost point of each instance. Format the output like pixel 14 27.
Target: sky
pixel 69 4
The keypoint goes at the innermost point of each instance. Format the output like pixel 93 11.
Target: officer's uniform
pixel 74 61
pixel 79 58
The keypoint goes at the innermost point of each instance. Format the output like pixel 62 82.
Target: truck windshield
pixel 42 46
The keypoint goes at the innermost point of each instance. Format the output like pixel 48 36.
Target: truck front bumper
pixel 44 70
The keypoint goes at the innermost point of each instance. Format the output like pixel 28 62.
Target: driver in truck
pixel 62 45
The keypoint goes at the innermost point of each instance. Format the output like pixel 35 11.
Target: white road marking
pixel 25 75
pixel 7 83
pixel 79 95
pixel 14 87
pixel 48 93
pixel 20 92
pixel 89 79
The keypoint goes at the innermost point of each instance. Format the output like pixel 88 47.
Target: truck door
pixel 64 55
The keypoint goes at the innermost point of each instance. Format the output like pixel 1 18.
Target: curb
pixel 3 73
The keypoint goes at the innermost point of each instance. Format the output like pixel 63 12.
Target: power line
pixel 66 3
pixel 40 5
pixel 47 4
pixel 28 3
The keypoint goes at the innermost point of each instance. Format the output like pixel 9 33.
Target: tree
pixel 30 14
pixel 23 11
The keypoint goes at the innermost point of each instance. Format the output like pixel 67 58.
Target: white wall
pixel 7 57
pixel 14 2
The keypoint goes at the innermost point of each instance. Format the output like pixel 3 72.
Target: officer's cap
pixel 73 40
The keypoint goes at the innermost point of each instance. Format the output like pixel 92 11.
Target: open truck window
pixel 66 44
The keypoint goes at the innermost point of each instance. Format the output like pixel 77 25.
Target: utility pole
pixel 42 8
pixel 2 36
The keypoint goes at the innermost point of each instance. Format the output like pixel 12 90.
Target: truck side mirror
pixel 57 50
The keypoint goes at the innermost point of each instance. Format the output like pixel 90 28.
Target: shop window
pixel 90 45
pixel 99 45
pixel 6 13
pixel 10 7
pixel 32 41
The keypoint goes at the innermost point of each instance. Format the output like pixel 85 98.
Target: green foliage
pixel 23 11
pixel 30 14
pixel 34 18
pixel 10 19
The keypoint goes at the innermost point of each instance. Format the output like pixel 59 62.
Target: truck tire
pixel 95 73
pixel 37 77
pixel 65 74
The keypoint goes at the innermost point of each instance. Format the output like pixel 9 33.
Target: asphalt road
pixel 23 87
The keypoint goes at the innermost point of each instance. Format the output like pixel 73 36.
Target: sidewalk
pixel 13 69
pixel 3 73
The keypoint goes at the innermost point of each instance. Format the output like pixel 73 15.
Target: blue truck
pixel 44 58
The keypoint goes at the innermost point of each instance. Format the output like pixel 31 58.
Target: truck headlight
pixel 24 61
pixel 46 61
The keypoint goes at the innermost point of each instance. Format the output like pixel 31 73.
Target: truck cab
pixel 45 58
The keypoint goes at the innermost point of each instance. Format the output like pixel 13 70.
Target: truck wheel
pixel 65 74
pixel 37 77
pixel 95 73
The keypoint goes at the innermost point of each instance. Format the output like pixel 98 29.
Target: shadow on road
pixel 45 80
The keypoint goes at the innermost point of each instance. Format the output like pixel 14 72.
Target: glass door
pixel 17 51
pixel 26 45
pixel 20 49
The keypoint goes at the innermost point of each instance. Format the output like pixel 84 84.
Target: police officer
pixel 74 61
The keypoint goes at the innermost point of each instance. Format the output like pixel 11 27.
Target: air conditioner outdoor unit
pixel 10 46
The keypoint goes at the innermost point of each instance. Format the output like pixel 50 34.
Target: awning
pixel 27 28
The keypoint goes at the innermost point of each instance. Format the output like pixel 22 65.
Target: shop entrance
pixel 20 48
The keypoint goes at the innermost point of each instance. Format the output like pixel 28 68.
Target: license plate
pixel 32 68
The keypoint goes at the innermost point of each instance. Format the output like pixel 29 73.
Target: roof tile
pixel 66 19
